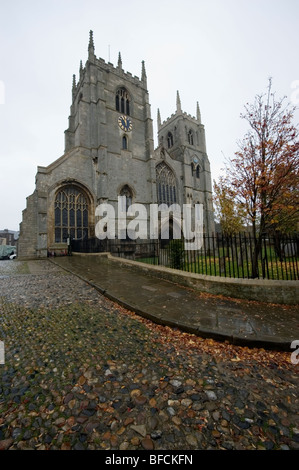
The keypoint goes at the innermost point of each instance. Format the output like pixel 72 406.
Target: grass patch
pixel 269 266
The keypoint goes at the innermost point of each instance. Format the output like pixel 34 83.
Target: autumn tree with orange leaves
pixel 263 175
pixel 230 214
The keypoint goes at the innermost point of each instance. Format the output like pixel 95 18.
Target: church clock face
pixel 125 123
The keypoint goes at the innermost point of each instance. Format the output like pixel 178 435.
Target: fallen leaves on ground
pixel 222 351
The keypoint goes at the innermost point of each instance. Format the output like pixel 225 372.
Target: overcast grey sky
pixel 217 52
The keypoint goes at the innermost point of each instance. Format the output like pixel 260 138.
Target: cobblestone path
pixel 82 373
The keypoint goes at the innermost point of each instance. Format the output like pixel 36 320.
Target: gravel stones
pixel 140 429
pixel 147 444
pixel 175 383
pixel 5 444
pixel 83 373
pixel 211 395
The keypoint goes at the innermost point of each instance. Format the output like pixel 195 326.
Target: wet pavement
pixel 83 373
pixel 237 321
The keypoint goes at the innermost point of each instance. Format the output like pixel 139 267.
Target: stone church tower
pixel 183 137
pixel 109 152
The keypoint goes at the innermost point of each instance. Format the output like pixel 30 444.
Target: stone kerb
pixel 262 290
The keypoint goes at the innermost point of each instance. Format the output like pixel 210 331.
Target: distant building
pixel 109 152
pixel 8 237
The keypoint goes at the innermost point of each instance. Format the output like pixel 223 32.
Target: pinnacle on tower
pixel 74 85
pixel 91 45
pixel 159 119
pixel 74 81
pixel 178 103
pixel 198 115
pixel 81 68
pixel 143 75
pixel 119 64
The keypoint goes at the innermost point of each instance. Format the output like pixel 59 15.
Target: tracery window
pixel 71 214
pixel 122 101
pixel 166 185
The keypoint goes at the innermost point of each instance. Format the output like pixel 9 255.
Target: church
pixel 109 152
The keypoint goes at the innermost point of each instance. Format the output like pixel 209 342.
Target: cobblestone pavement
pixel 82 373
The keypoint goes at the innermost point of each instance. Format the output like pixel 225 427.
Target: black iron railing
pixel 237 256
pixel 89 245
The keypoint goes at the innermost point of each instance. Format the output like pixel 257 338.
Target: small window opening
pixel 169 140
pixel 125 142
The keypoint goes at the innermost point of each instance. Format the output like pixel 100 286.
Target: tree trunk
pixel 257 238
pixel 255 257
pixel 278 248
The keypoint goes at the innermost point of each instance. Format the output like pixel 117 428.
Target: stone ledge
pixel 262 290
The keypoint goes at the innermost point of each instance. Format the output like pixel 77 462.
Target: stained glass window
pixel 166 185
pixel 71 214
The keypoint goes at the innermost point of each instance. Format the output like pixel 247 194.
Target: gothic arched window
pixel 190 137
pixel 122 101
pixel 126 191
pixel 125 142
pixel 197 171
pixel 169 140
pixel 166 185
pixel 71 214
